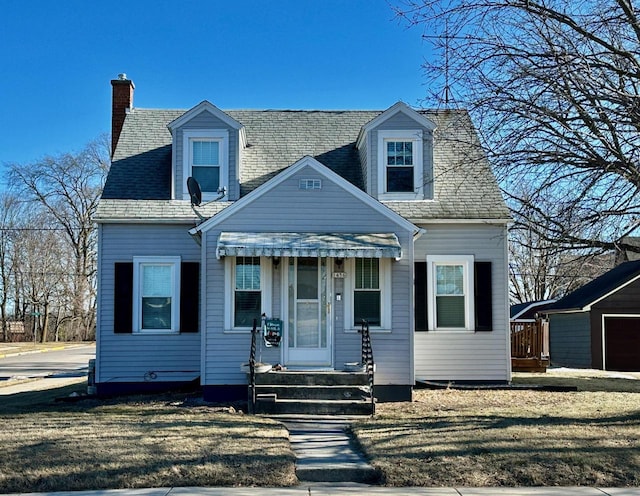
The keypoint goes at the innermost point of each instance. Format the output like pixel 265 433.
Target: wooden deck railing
pixel 528 340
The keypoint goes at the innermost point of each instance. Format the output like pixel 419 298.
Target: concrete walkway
pixel 325 452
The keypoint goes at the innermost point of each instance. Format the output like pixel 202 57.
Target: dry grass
pixel 512 437
pixel 138 442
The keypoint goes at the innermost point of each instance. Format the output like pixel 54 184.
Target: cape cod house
pixel 314 219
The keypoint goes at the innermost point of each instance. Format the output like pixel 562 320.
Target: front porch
pixel 313 393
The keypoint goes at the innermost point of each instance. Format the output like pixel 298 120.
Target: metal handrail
pixel 252 369
pixel 367 360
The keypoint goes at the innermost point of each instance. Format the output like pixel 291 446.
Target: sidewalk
pixel 351 489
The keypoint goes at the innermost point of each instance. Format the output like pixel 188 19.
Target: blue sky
pixel 57 58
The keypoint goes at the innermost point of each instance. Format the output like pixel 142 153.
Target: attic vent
pixel 310 184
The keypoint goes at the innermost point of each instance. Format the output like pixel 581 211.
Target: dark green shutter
pixel 421 292
pixel 483 296
pixel 123 298
pixel 189 296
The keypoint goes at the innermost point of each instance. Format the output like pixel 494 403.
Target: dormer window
pixel 205 158
pixel 399 161
pixel 400 165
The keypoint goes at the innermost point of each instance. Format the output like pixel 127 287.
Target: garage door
pixel 622 343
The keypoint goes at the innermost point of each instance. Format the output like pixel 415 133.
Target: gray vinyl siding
pixel 287 208
pixel 400 122
pixel 206 121
pixel 128 357
pixel 570 339
pixel 466 355
pixel 366 164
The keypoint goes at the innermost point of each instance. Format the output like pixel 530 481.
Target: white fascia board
pixel 528 307
pixel 390 112
pixel 148 220
pixel 587 308
pixel 306 161
pixel 442 220
pixel 204 106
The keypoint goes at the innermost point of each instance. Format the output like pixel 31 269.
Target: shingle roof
pixel 601 286
pixel 170 211
pixel 465 188
pixel 529 309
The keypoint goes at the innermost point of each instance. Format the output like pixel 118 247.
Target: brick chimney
pixel 122 101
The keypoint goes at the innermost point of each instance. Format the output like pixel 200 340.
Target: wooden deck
pixel 529 346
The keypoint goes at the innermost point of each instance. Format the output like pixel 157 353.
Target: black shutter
pixel 189 296
pixel 123 298
pixel 483 296
pixel 421 304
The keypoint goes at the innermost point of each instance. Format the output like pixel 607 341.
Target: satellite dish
pixel 194 191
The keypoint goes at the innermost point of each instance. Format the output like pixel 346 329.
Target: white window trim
pixel 220 135
pixel 415 136
pixel 385 296
pixel 467 262
pixel 266 288
pixel 174 262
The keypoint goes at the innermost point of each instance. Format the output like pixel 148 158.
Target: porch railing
pixel 367 360
pixel 528 340
pixel 252 369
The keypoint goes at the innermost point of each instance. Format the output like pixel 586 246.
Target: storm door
pixel 308 341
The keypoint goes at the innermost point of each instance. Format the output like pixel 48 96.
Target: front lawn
pixel 511 437
pixel 136 442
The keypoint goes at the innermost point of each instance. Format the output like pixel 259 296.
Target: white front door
pixel 308 340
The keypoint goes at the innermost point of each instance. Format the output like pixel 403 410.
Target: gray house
pixel 315 220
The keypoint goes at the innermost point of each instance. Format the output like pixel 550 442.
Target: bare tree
pixel 42 270
pixel 554 87
pixel 9 221
pixel 67 188
pixel 539 270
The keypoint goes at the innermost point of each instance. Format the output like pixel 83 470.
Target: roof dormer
pixel 207 144
pixel 396 149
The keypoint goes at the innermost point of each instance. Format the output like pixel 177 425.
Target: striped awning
pixel 339 245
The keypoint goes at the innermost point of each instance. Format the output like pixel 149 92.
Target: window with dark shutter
pixel 421 303
pixel 124 295
pixel 123 298
pixel 483 300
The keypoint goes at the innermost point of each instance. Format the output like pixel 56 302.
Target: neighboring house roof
pixel 465 187
pixel 529 309
pixel 601 287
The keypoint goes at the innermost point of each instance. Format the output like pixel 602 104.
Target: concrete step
pixel 272 406
pixel 306 392
pixel 325 452
pixel 320 378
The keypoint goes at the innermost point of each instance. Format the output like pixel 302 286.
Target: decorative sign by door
pixel 272 332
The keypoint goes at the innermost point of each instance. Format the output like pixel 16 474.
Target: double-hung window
pixel 156 304
pixel 400 169
pixel 368 293
pixel 400 159
pixel 451 302
pixel 247 291
pixel 205 163
pixel 205 159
